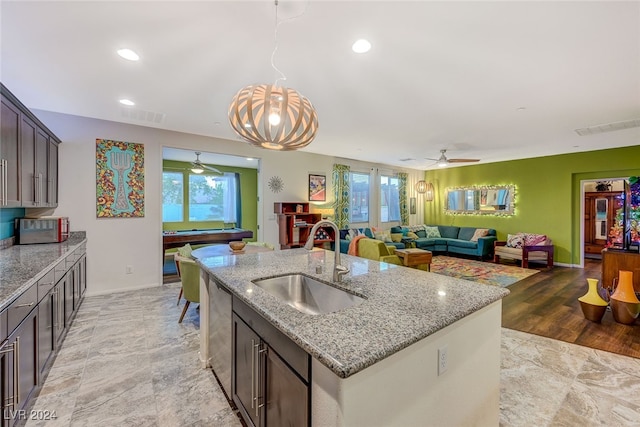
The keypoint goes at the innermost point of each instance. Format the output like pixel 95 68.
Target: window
pixel 389 199
pixel 212 198
pixel 207 198
pixel 359 187
pixel 172 197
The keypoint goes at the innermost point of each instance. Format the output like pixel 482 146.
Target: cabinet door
pixel 46 337
pixel 58 321
pixel 52 173
pixel 82 273
pixel 42 167
pixel 27 374
pixel 9 155
pixel 8 380
pixel 68 298
pixel 28 131
pixel 286 396
pixel 77 286
pixel 246 345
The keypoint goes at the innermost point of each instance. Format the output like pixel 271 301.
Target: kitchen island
pixel 376 363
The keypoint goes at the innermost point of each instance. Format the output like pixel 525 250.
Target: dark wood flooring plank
pixel 547 304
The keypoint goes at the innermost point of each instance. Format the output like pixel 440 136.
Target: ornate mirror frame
pixel 497 200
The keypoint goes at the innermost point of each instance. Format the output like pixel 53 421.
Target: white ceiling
pixel 452 75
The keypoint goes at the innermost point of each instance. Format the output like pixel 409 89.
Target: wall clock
pixel 276 184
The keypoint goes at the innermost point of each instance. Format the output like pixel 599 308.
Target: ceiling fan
pixel 198 167
pixel 443 161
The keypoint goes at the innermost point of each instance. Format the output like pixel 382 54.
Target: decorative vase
pixel 592 305
pixel 625 305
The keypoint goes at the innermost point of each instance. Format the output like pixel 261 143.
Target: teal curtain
pixel 402 190
pixel 341 195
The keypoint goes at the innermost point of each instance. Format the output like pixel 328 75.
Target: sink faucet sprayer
pixel 338 270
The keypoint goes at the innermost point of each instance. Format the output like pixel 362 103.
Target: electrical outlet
pixel 443 359
pixel 129 269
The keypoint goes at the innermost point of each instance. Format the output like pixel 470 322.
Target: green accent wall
pixel 548 193
pixel 248 194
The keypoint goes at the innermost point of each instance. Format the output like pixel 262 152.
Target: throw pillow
pixel 480 232
pixel 432 232
pixel 411 235
pixel 185 251
pixel 383 235
pixel 396 237
pixel 405 230
pixel 515 240
pixel 531 239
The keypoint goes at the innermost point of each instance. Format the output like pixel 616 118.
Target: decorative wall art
pixel 317 188
pixel 119 179
pixel 412 205
pixel 276 184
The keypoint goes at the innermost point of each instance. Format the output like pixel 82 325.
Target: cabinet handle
pixel 258 397
pixel 253 371
pixel 12 400
pixel 24 305
pixel 2 199
pixel 46 284
pixel 16 374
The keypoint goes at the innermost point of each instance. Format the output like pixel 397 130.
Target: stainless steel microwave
pixel 41 230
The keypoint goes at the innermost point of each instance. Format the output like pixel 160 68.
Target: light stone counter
pixel 403 305
pixel 23 265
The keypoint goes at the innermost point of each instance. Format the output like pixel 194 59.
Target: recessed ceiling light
pixel 249 159
pixel 127 102
pixel 128 54
pixel 361 46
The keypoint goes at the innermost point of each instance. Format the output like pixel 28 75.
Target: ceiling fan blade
pixel 211 168
pixel 463 160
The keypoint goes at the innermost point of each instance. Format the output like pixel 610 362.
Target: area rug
pixel 478 271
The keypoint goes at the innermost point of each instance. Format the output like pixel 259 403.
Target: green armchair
pixel 190 278
pixel 377 251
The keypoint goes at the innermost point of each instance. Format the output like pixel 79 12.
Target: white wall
pixel 115 243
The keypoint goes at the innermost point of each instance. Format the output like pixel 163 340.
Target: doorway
pixel 601 201
pixel 204 191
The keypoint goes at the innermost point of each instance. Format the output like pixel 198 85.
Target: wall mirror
pixel 481 200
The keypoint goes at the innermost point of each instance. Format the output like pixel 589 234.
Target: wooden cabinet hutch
pixel 600 209
pixel 614 260
pixel 295 223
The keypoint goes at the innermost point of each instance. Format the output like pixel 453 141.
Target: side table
pixel 413 257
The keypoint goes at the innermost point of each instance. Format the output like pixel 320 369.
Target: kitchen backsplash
pixel 7 215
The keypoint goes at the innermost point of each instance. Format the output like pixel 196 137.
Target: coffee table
pixel 413 257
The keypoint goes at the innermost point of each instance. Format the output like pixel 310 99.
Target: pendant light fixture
pixel 425 188
pixel 273 116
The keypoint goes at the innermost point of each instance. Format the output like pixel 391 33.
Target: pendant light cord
pixel 275 39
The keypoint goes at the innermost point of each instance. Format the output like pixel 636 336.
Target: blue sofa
pixel 454 240
pixel 344 242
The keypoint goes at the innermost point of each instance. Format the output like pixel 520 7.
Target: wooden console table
pixel 175 239
pixel 614 261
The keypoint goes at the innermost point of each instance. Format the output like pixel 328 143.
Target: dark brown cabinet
pixel 295 223
pixel 271 374
pixel 36 322
pixel 19 364
pixel 9 155
pixel 599 215
pixel 614 260
pixel 28 158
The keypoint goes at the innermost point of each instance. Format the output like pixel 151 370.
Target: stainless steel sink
pixel 308 295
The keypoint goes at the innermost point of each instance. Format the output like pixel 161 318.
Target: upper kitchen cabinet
pixel 29 159
pixel 9 155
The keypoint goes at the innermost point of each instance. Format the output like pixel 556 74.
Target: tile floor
pixel 127 362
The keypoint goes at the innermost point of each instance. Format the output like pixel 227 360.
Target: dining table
pixel 224 249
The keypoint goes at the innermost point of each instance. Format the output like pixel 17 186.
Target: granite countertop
pixel 23 265
pixel 403 305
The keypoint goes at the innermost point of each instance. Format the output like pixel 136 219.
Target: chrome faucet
pixel 338 270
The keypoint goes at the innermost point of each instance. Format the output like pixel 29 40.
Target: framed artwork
pixel 412 205
pixel 119 179
pixel 317 188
